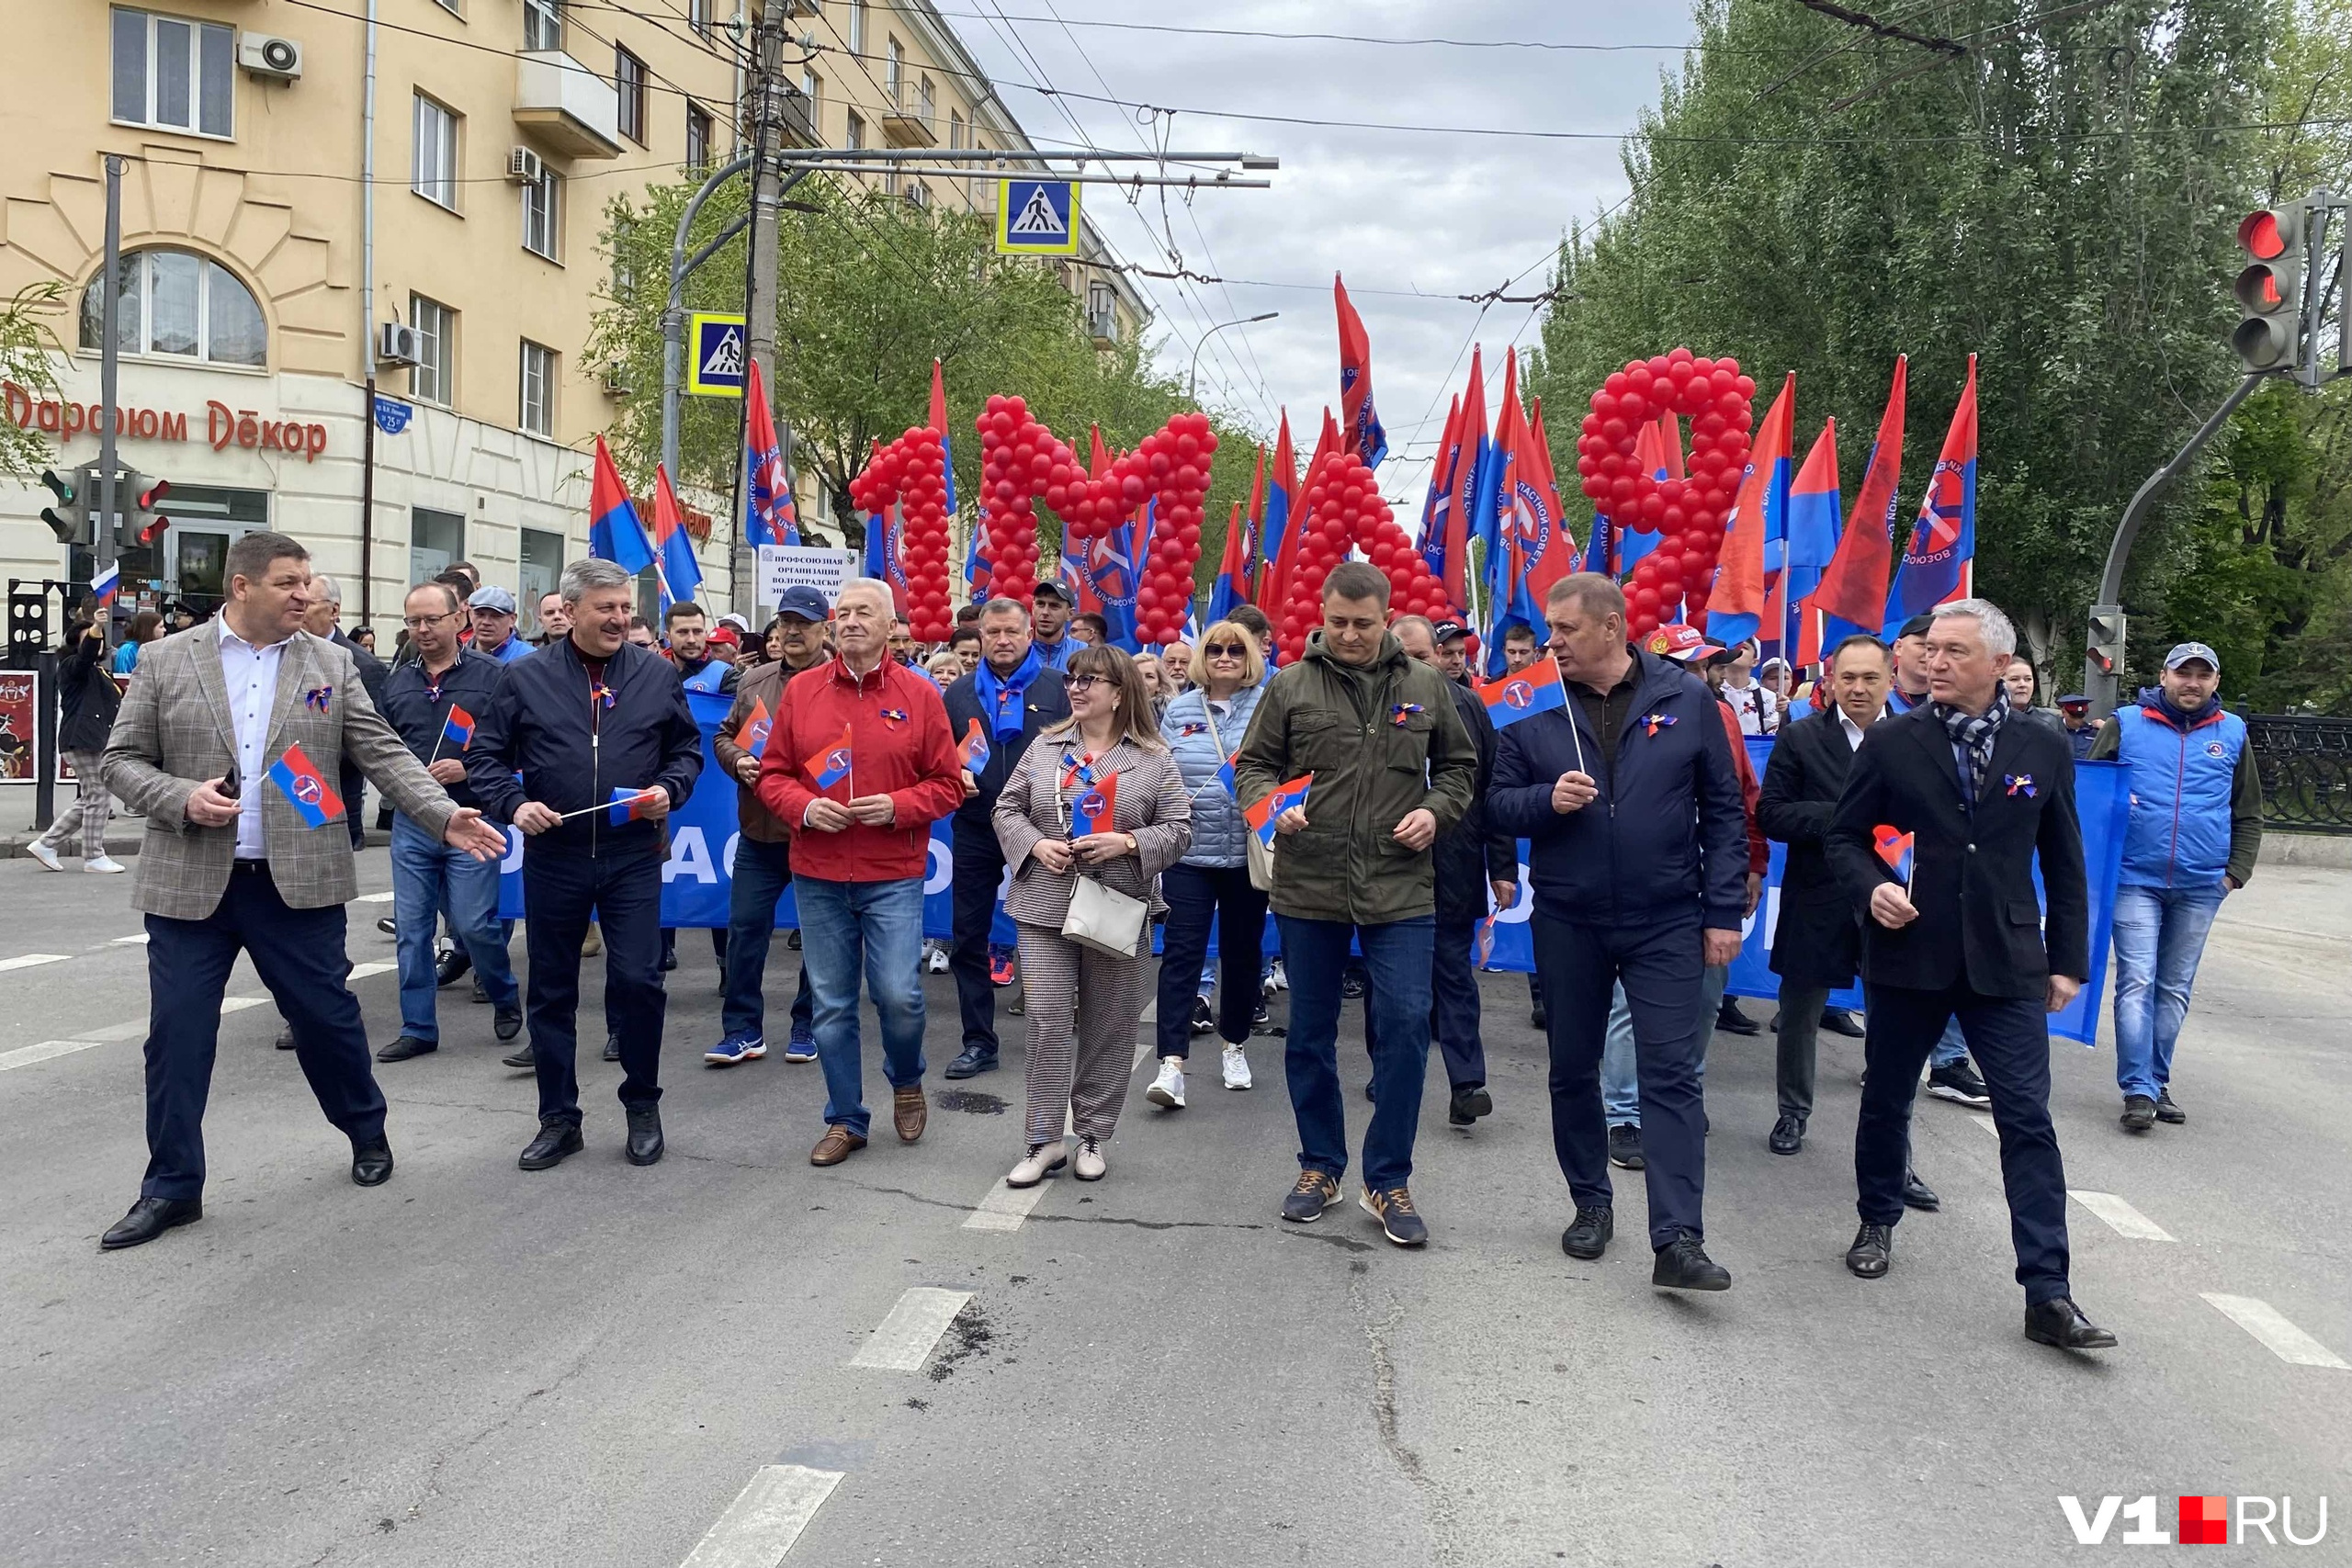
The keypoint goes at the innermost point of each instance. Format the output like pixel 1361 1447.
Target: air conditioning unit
pixel 397 343
pixel 280 57
pixel 526 167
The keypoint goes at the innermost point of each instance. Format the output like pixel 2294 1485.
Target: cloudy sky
pixel 1410 218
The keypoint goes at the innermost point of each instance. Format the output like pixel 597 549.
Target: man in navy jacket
pixel 581 721
pixel 1638 862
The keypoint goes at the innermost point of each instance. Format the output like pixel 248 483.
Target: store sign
pixel 223 426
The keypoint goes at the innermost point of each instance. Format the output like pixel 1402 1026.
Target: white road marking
pixel 1004 1207
pixel 26 1056
pixel 765 1519
pixel 2121 1217
pixel 2279 1337
pixel 239 1004
pixel 30 959
pixel 138 940
pixel 904 1341
pixel 1986 1122
pixel 48 1049
pixel 134 1030
pixel 373 898
pixel 361 971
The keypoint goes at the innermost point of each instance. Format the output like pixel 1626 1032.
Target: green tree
pixel 29 350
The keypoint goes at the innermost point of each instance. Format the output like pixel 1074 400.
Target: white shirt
pixel 249 675
pixel 1757 708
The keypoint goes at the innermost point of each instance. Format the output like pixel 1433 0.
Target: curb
pixel 2305 849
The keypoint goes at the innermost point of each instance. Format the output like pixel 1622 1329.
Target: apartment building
pixel 310 199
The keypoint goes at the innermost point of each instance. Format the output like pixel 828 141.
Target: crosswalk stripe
pixel 765 1519
pixel 30 959
pixel 361 971
pixel 26 1056
pixel 2121 1217
pixel 1004 1207
pixel 2277 1335
pixel 903 1342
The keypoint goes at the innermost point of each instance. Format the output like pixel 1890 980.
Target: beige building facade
pixel 281 242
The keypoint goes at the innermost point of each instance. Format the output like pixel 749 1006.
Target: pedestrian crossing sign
pixel 715 355
pixel 1037 217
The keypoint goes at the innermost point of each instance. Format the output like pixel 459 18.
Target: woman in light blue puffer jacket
pixel 1204 726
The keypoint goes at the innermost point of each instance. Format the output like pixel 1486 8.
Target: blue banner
pixel 697 883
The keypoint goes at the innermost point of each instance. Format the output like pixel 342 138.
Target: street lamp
pixel 1192 381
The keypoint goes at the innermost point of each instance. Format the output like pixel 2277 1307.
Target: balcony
pixel 905 125
pixel 566 106
pixel 796 121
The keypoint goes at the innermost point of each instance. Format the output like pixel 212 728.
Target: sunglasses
pixel 1223 651
pixel 1084 682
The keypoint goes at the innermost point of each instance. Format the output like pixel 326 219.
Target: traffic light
pixel 70 518
pixel 2105 650
pixel 2270 289
pixel 146 519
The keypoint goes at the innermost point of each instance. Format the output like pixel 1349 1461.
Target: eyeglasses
pixel 1223 651
pixel 1083 682
pixel 418 623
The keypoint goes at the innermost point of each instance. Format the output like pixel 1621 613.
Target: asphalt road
pixel 607 1366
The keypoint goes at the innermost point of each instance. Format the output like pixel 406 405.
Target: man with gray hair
pixel 587 746
pixel 1946 811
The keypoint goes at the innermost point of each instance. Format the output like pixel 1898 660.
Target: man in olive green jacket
pixel 1392 767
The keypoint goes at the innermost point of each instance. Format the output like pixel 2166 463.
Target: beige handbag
pixel 1100 917
pixel 1261 855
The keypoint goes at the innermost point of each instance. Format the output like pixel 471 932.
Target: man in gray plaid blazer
pixel 229 742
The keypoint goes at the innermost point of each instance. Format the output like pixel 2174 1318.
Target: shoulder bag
pixel 1100 917
pixel 1261 855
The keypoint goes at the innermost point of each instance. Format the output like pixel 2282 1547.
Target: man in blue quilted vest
pixel 2196 824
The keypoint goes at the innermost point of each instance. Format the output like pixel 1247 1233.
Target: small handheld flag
pixel 1895 848
pixel 628 805
pixel 1261 815
pixel 1095 808
pixel 832 764
pixel 458 728
pixel 104 587
pixel 1225 775
pixel 1533 690
pixel 753 736
pixel 974 748
pixel 306 789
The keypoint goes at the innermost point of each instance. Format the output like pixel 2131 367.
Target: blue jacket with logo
pixel 2185 777
pixel 1667 838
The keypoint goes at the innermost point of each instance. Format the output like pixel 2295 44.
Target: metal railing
pixel 2306 764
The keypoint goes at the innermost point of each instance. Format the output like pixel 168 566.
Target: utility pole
pixel 110 366
pixel 768 102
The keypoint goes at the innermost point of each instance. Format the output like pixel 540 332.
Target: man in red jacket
pixel 859 765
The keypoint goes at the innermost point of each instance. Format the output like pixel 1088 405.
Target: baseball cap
pixel 1052 587
pixel 738 622
pixel 1683 644
pixel 2182 652
pixel 2074 700
pixel 724 634
pixel 1447 631
pixel 803 603
pixel 496 598
pixel 1915 626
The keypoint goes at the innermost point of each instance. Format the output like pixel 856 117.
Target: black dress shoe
pixel 371 1163
pixel 2139 1114
pixel 1787 1135
pixel 522 1060
pixel 507 1023
pixel 1773 1027
pixel 1587 1238
pixel 1917 1194
pixel 1872 1250
pixel 452 967
pixel 385 926
pixel 558 1141
pixel 644 1135
pixel 1729 1018
pixel 612 1047
pixel 2060 1322
pixel 1535 1014
pixel 149 1218
pixel 1683 1265
pixel 478 996
pixel 407 1046
pixel 971 1062
pixel 286 1038
pixel 1468 1103
pixel 1840 1020
pixel 2167 1112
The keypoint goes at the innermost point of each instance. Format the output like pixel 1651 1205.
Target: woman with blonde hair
pixel 1097 797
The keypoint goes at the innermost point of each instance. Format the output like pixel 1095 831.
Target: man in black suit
pixel 1015 693
pixel 1981 790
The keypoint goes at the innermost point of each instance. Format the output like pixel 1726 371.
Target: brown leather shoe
pixel 836 1145
pixel 910 1112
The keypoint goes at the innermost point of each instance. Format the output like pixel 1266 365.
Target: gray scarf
pixel 1974 734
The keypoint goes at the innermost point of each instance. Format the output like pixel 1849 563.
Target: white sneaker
pixel 936 962
pixel 44 855
pixel 105 865
pixel 1168 1089
pixel 1236 1067
pixel 1275 979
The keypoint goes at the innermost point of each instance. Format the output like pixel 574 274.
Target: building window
pixel 435 539
pixel 698 16
pixel 926 99
pixel 179 303
pixel 697 137
pixel 536 410
pixel 433 171
pixel 1101 310
pixel 543 214
pixel 856 139
pixel 812 87
pixel 955 129
pixel 918 194
pixel 174 73
pixel 542 24
pixel 857 27
pixel 539 567
pixel 452 7
pixel 434 378
pixel 893 81
pixel 629 81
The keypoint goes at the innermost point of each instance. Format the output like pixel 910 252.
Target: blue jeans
pixel 1621 1084
pixel 762 872
pixel 2159 937
pixel 1948 1048
pixel 1397 958
pixel 876 927
pixel 431 880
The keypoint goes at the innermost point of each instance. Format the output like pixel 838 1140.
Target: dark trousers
pixel 1798 1045
pixel 1196 896
pixel 1453 1002
pixel 562 891
pixel 1662 969
pixel 978 863
pixel 299 954
pixel 1397 958
pixel 2009 1037
pixel 762 872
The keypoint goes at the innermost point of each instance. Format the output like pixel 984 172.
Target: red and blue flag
pixel 1735 605
pixel 1940 564
pixel 1895 848
pixel 1275 544
pixel 1815 520
pixel 1235 565
pixel 626 805
pixel 1851 595
pixel 458 728
pixel 753 736
pixel 1095 808
pixel 677 571
pixel 770 515
pixel 832 765
pixel 306 789
pixel 1519 521
pixel 1261 815
pixel 615 533
pixel 1533 690
pixel 974 748
pixel 104 587
pixel 1364 436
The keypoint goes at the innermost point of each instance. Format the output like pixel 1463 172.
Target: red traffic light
pixel 2263 236
pixel 153 493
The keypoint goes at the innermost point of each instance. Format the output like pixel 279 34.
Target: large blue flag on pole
pixel 1940 564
